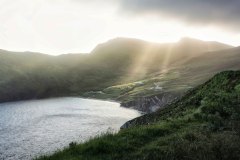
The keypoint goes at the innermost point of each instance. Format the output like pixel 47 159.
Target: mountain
pixel 120 69
pixel 202 125
pixel 149 56
pixel 171 79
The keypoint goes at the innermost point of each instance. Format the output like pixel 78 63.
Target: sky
pixel 77 26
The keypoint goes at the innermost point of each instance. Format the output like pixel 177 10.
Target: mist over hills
pixel 117 62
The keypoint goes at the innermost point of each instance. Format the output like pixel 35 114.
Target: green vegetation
pixel 153 85
pixel 113 69
pixel 203 124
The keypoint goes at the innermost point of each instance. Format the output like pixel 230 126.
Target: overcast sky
pixel 74 26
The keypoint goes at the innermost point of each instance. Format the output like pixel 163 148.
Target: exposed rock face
pixel 152 103
pixel 149 105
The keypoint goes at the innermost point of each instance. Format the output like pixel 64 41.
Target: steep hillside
pixel 159 88
pixel 202 125
pixel 117 62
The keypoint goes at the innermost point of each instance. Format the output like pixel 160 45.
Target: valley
pixel 168 83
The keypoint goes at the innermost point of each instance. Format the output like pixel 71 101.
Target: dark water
pixel 32 128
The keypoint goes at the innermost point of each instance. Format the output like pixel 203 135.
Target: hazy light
pixel 74 26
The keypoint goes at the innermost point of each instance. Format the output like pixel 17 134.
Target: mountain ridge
pixel 114 69
pixel 125 40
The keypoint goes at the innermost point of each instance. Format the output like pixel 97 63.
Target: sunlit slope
pixel 145 57
pixel 160 88
pixel 202 125
pixel 116 62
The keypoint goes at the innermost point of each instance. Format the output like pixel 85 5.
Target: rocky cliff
pixel 151 103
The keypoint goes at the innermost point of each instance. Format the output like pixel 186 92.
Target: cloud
pixel 204 12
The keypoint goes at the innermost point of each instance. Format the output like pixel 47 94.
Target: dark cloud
pixel 219 12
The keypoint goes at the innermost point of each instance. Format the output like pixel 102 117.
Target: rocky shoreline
pixel 148 105
pixel 151 103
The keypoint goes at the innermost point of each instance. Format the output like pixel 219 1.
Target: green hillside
pixel 202 125
pixel 126 70
pixel 173 81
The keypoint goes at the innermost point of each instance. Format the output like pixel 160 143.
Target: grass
pixel 142 88
pixel 202 125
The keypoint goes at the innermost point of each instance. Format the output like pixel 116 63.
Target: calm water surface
pixel 32 128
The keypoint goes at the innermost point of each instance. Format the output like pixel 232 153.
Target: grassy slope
pixel 119 61
pixel 204 124
pixel 179 77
